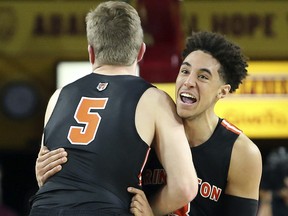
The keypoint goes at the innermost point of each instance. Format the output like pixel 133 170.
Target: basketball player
pixel 106 121
pixel 227 162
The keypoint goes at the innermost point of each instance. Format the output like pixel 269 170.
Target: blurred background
pixel 40 40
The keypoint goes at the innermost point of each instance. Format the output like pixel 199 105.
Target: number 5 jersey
pixel 94 120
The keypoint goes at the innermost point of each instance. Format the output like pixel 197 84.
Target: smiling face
pixel 199 86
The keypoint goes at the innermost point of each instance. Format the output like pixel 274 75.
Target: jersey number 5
pixel 83 135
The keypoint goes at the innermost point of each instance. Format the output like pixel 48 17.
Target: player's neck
pixel 199 130
pixel 113 70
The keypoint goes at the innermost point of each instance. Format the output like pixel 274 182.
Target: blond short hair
pixel 114 31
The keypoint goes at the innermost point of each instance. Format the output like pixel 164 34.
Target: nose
pixel 189 82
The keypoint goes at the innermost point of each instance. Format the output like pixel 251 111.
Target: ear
pixel 141 52
pixel 223 91
pixel 91 54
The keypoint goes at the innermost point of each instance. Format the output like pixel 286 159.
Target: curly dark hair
pixel 232 60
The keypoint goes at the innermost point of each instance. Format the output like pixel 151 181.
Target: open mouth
pixel 188 98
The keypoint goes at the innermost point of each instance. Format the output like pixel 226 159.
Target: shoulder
pixel 155 93
pixel 159 106
pixel 245 169
pixel 155 112
pixel 246 151
pixel 246 155
pixel 158 100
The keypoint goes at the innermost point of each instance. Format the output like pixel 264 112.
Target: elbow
pixel 190 191
pixel 186 192
pixel 190 187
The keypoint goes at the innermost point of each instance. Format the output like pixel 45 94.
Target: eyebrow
pixel 201 69
pixel 186 63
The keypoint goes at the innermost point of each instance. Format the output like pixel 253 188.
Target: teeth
pixel 187 95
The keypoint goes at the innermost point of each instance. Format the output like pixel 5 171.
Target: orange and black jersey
pixel 94 120
pixel 211 161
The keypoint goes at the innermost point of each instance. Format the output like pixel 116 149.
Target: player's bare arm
pixel 245 169
pixel 174 153
pixel 244 177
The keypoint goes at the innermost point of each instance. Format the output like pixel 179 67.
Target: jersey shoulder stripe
pixel 231 127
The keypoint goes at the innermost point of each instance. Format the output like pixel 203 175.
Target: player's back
pixel 94 120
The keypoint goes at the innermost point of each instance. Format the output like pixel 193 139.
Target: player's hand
pixel 139 204
pixel 48 163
